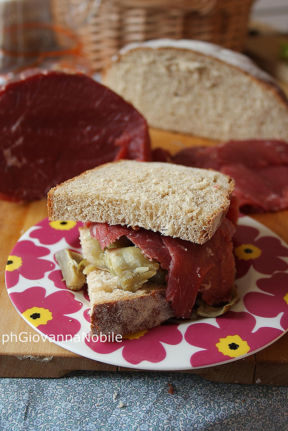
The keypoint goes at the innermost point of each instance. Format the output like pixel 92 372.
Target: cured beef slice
pixel 55 125
pixel 259 168
pixel 149 242
pixel 207 269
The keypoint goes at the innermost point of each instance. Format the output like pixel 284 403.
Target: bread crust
pixel 268 85
pixel 267 98
pixel 132 314
pixel 51 193
pixel 152 200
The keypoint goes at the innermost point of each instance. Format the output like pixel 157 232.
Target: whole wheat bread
pixel 199 88
pixel 174 200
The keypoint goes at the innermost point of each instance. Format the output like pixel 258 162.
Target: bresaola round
pixel 55 125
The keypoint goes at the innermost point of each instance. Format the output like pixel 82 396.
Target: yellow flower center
pixel 286 298
pixel 62 224
pixel 247 251
pixel 13 262
pixel 233 346
pixel 38 316
pixel 136 335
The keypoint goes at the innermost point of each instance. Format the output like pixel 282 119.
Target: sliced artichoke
pixel 131 266
pixel 69 262
pixel 205 310
pixel 160 277
pixel 86 267
pixel 121 242
pixel 91 249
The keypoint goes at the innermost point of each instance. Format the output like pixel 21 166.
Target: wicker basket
pixel 118 22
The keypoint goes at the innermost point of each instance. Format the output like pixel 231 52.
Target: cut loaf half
pixel 201 89
pixel 178 201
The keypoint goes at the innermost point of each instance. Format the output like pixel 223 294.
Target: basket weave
pixel 118 22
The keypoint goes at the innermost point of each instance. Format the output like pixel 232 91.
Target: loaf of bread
pixel 177 201
pixel 201 89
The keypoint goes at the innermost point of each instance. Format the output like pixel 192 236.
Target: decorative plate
pixel 36 289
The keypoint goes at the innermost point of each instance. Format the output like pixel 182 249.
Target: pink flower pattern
pixel 57 278
pixel 147 347
pixel 47 234
pixel 274 301
pixel 86 314
pixel 32 266
pixel 59 304
pixel 207 336
pixel 47 309
pixel 271 251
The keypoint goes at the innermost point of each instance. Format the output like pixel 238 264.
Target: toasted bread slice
pixel 177 201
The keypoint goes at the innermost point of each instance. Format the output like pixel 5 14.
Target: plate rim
pixel 143 364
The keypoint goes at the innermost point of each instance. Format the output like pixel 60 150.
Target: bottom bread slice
pixel 114 310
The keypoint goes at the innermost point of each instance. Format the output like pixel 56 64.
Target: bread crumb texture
pixel 174 200
pixel 118 311
pixel 211 93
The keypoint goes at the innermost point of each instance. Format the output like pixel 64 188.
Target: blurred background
pixel 272 12
pixel 83 35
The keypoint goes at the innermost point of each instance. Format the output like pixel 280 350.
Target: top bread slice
pixel 177 201
pixel 199 88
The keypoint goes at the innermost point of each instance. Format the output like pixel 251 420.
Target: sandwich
pixel 156 243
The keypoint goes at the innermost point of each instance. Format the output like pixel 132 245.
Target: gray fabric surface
pixel 90 401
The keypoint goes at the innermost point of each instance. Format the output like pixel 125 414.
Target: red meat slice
pixel 208 269
pixel 149 242
pixel 259 168
pixel 198 157
pixel 263 189
pixel 254 153
pixel 233 211
pixel 152 246
pixel 219 279
pixel 55 125
pixel 107 234
pixel 161 155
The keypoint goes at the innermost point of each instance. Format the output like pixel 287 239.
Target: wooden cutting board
pixel 45 359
